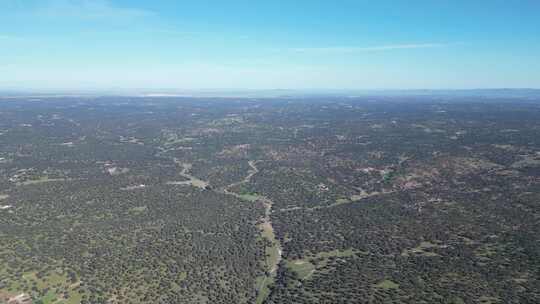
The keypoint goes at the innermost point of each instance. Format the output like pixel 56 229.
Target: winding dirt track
pixel 267 230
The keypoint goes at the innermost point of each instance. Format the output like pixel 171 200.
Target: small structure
pixel 23 298
pixel 322 187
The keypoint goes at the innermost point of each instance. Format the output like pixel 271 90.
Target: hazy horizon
pixel 273 93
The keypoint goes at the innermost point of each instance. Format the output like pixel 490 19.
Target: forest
pixel 401 199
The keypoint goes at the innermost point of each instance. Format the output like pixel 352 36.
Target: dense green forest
pixel 277 200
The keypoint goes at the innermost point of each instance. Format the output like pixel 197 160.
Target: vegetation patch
pixel 306 267
pixel 489 300
pixel 303 268
pixel 138 209
pixel 424 249
pixel 387 285
pixel 251 197
pixel 53 287
pixel 40 180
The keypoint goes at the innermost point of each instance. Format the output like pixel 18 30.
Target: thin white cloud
pixel 89 9
pixel 380 48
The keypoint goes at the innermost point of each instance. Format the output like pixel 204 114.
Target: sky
pixel 270 44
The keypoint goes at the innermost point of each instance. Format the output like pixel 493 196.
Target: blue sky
pixel 300 44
